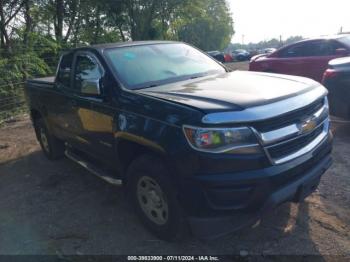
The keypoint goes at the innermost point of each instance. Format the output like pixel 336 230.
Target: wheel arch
pixel 35 114
pixel 130 149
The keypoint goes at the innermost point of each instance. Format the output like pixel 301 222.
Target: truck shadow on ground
pixel 60 208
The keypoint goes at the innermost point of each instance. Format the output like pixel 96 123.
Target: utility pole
pixel 281 44
pixel 242 39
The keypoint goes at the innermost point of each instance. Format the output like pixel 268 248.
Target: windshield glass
pixel 155 64
pixel 345 40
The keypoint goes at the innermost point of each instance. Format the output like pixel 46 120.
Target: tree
pixel 271 43
pixel 8 12
pixel 33 33
pixel 211 29
pixel 293 39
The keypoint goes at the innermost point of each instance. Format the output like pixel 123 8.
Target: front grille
pixel 289 118
pixel 289 147
pixel 300 170
pixel 289 136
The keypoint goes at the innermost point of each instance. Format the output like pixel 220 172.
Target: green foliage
pixel 272 43
pixel 211 29
pixel 16 69
pixel 33 33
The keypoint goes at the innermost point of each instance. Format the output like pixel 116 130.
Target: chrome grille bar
pixel 293 130
pixel 305 149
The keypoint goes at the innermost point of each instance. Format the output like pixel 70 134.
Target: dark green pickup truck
pixel 195 146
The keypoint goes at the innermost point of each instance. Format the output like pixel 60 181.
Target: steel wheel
pixel 152 200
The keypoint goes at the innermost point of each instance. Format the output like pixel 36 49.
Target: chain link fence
pixel 14 71
pixel 12 102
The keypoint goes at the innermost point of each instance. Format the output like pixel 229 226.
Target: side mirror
pixel 64 73
pixel 341 52
pixel 91 87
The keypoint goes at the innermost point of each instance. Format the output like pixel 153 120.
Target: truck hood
pixel 232 91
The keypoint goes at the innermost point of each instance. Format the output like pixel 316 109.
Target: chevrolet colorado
pixel 195 146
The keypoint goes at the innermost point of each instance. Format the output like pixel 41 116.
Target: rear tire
pixel 155 198
pixel 52 147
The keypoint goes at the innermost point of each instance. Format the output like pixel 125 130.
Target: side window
pixel 319 48
pixel 65 70
pixel 86 68
pixel 309 49
pixel 294 51
pixel 336 45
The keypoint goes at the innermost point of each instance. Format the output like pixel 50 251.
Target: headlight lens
pixel 220 140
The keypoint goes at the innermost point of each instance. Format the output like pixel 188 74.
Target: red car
pixel 307 58
pixel 228 58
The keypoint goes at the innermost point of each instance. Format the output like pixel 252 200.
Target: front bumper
pixel 227 202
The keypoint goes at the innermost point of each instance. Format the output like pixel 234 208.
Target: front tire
pixel 155 198
pixel 52 147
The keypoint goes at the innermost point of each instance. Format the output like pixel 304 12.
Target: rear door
pixel 317 54
pixel 60 110
pixel 309 59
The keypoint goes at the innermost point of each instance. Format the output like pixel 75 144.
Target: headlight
pixel 222 140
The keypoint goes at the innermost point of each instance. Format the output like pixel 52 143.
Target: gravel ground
pixel 238 65
pixel 59 208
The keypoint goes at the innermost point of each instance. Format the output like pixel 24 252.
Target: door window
pixel 86 68
pixel 294 51
pixel 65 70
pixel 309 49
pixel 320 48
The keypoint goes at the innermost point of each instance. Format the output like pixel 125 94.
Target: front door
pixel 94 111
pixel 289 61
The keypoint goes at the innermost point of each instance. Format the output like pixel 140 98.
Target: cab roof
pixel 102 47
pixel 326 37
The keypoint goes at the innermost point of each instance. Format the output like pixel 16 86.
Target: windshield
pixel 155 64
pixel 345 40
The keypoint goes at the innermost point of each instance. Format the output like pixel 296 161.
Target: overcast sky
pixel 265 19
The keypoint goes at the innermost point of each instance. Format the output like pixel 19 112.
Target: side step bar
pixel 92 168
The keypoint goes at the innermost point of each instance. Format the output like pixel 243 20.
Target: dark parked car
pixel 241 55
pixel 219 56
pixel 192 144
pixel 307 58
pixel 253 53
pixel 337 80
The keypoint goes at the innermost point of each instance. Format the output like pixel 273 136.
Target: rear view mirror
pixel 341 52
pixel 91 87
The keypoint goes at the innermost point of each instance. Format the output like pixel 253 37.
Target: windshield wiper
pixel 174 79
pixel 199 76
pixel 194 77
pixel 145 86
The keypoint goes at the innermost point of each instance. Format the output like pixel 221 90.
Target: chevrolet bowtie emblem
pixel 307 125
